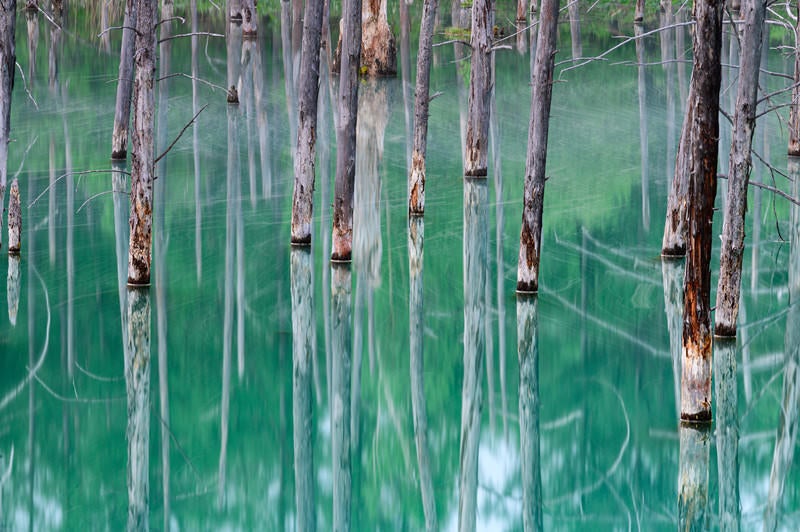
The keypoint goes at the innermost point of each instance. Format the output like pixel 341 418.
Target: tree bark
pixel 378 49
pixel 695 443
pixel 249 19
pixel 416 179
pixel 638 13
pixel 575 29
pixel 673 244
pixel 480 86
pixel 346 132
pixel 341 290
pixel 304 176
pixel 8 59
pixel 141 217
pixel 535 164
pixel 744 122
pixel 794 108
pixel 706 78
pixel 13 288
pixel 14 219
pixel 122 111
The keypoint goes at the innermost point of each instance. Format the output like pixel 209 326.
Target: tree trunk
pixel 695 443
pixel 522 15
pixel 673 243
pixel 744 122
pixel 142 159
pixel 122 111
pixel 638 29
pixel 13 288
pixel 535 164
pixel 638 13
pixel 8 59
pixel 727 433
pixel 249 19
pixel 303 199
pixel 416 179
pixel 346 132
pixel 575 28
pixel 14 220
pixel 794 108
pixel 697 354
pixel 303 346
pixel 234 10
pixel 480 86
pixel 378 48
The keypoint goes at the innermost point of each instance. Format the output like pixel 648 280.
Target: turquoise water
pixel 183 407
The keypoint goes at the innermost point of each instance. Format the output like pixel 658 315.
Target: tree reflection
pixel 695 443
pixel 727 432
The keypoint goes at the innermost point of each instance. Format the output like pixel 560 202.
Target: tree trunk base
pixel 14 219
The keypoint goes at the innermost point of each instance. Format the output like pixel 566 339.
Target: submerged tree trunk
pixel 142 159
pixel 303 200
pixel 794 108
pixel 531 233
pixel 727 433
pixel 14 219
pixel 249 18
pixel 695 443
pixel 122 111
pixel 416 179
pixel 8 58
pixel 480 87
pixel 744 122
pixel 575 28
pixel 346 132
pixel 378 49
pixel 697 354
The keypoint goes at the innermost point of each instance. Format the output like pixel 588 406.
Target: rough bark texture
pixel 416 179
pixel 303 346
pixel 235 10
pixel 697 354
pixel 14 219
pixel 341 290
pixel 303 199
pixel 530 463
pixel 727 433
pixel 638 13
pixel 673 243
pixel 378 49
pixel 346 132
pixel 794 108
pixel 416 233
pixel 249 19
pixel 476 242
pixel 122 111
pixel 522 8
pixel 531 234
pixel 695 443
pixel 480 87
pixel 12 288
pixel 8 58
pixel 141 218
pixel 744 122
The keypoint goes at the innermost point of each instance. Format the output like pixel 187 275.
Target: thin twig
pixel 181 74
pixel 774 190
pixel 25 86
pixel 24 155
pixel 103 193
pixel 98 377
pixel 110 28
pixel 178 36
pixel 75 399
pixel 160 22
pixel 453 41
pixel 62 176
pixel 180 134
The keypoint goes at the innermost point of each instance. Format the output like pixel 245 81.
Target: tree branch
pixel 180 134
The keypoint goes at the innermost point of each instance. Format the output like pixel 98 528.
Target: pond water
pixel 228 395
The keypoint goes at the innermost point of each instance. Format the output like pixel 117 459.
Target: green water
pixel 203 435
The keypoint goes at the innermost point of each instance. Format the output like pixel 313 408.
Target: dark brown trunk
pixel 480 86
pixel 141 218
pixel 416 179
pixel 535 165
pixel 744 121
pixel 706 79
pixel 122 111
pixel 8 59
pixel 303 200
pixel 346 132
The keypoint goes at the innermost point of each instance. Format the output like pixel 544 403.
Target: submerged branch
pixel 103 193
pixel 25 86
pixel 110 28
pixel 201 80
pixel 189 123
pixel 62 176
pixel 179 35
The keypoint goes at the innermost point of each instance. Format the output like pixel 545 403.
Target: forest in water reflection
pixel 256 385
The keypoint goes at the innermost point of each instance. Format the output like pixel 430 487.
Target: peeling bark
pixel 14 219
pixel 535 165
pixel 8 58
pixel 480 87
pixel 378 48
pixel 122 110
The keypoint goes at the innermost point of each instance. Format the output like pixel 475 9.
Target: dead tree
pixel 794 108
pixel 122 111
pixel 303 199
pixel 531 234
pixel 575 28
pixel 673 244
pixel 695 444
pixel 378 49
pixel 142 158
pixel 249 16
pixel 744 121
pixel 416 179
pixel 727 432
pixel 704 106
pixel 480 85
pixel 14 219
pixel 346 132
pixel 8 60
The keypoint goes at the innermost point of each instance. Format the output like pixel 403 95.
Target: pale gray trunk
pixel 198 209
pixel 672 272
pixel 122 111
pixel 346 132
pixel 234 9
pixel 288 71
pixel 697 353
pixel 530 461
pixel 137 385
pixel 14 219
pixel 416 235
pixel 304 173
pixel 541 93
pixel 13 288
pixel 70 208
pixel 642 92
pixel 340 394
pixel 249 18
pixel 416 179
pixel 575 28
pixel 744 122
pixel 667 57
pixel 142 159
pixel 304 340
pixel 727 433
pixel 695 443
pixel 480 85
pixel 794 108
pixel 476 240
pixel 8 58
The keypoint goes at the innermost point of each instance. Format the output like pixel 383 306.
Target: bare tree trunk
pixel 673 243
pixel 744 122
pixel 643 143
pixel 672 273
pixel 13 288
pixel 303 200
pixel 249 19
pixel 14 220
pixel 234 9
pixel 346 132
pixel 480 86
pixel 727 433
pixel 697 352
pixel 638 13
pixel 522 15
pixel 122 111
pixel 531 233
pixel 794 108
pixel 32 20
pixel 575 28
pixel 416 179
pixel 695 443
pixel 378 49
pixel 8 59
